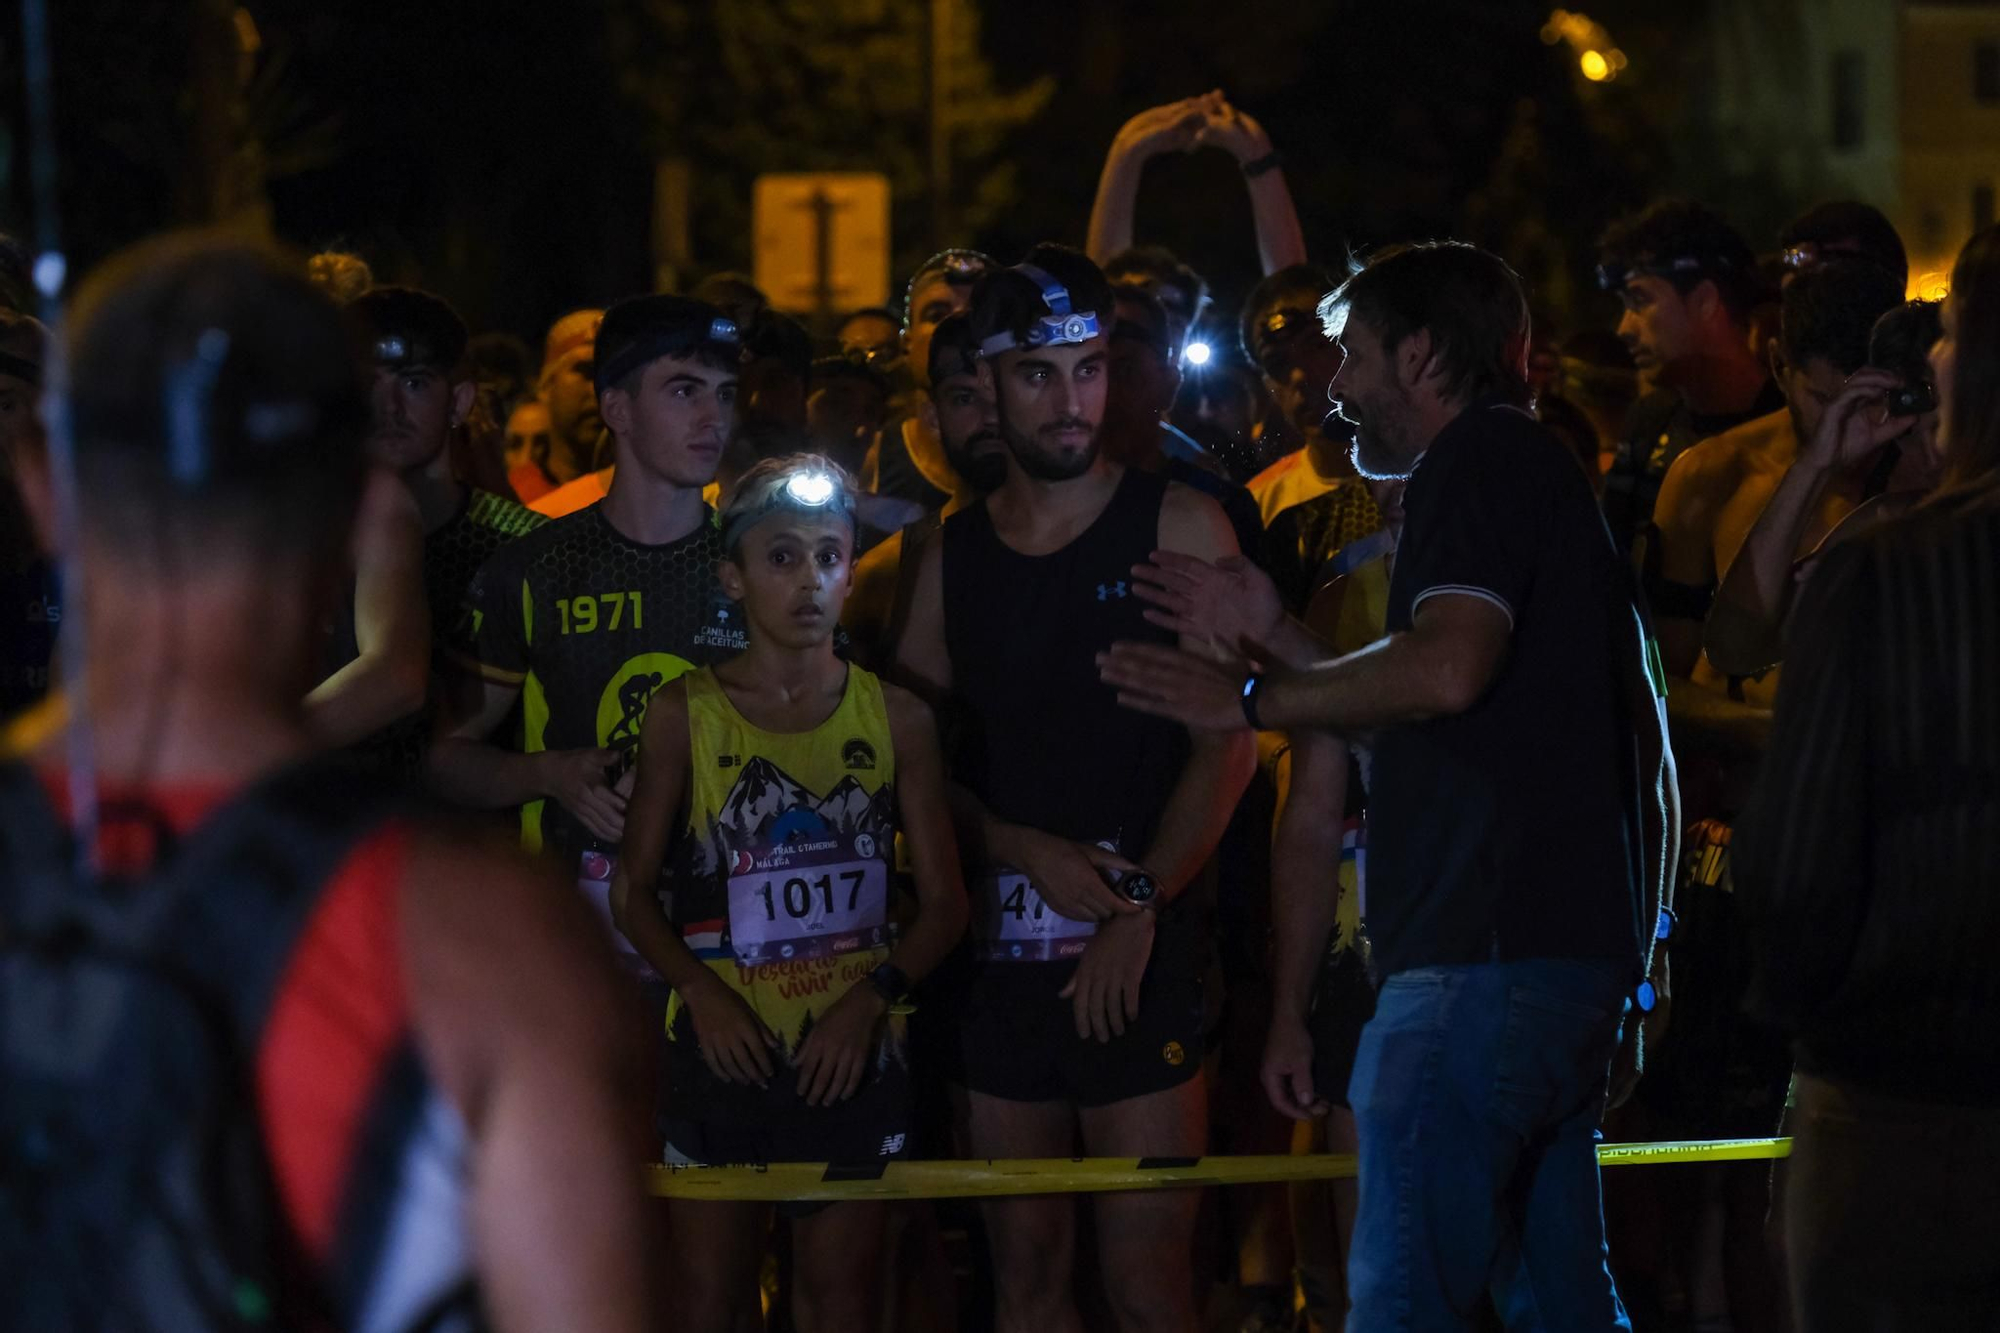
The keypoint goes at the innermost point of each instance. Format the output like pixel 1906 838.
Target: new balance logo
pixel 892 1145
pixel 1106 591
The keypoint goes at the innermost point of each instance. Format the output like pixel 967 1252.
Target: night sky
pixel 501 152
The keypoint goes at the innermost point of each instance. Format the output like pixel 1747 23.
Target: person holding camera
pixel 1882 430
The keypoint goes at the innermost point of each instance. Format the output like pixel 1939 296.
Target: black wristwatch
pixel 890 983
pixel 1138 888
pixel 1271 161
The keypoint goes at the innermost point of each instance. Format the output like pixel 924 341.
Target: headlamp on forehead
pixel 1616 277
pixel 1061 327
pixel 1283 325
pixel 811 489
pixel 808 488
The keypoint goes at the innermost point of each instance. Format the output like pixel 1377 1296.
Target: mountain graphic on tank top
pixel 767 806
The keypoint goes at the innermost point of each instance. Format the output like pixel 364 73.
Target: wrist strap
pixel 1271 161
pixel 1251 688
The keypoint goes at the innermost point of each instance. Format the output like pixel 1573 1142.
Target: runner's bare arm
pixel 922 664
pixel 925 808
pixel 519 1014
pixel 468 769
pixel 392 623
pixel 1305 904
pixel 1219 764
pixel 1692 494
pixel 871 606
pixel 658 801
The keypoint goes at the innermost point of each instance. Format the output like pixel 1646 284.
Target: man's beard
pixel 982 469
pixel 1381 449
pixel 1046 465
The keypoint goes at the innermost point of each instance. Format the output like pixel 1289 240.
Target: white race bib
pixel 813 901
pixel 1015 925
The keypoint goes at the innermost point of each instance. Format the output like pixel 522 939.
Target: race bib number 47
pixel 812 902
pixel 1017 926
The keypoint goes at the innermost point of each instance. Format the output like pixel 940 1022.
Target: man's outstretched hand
pixel 1173 683
pixel 1231 605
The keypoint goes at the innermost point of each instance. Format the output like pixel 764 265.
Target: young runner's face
pixel 792 573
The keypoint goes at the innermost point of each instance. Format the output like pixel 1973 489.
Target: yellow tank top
pixel 787 870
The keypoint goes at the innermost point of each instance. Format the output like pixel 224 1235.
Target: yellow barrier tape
pixel 817 1182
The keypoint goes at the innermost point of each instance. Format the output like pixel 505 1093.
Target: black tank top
pixel 1040 739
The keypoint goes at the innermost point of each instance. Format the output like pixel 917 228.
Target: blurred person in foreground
pixel 1866 870
pixel 301 1048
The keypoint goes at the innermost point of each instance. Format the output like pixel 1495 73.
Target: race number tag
pixel 593 880
pixel 812 900
pixel 1017 926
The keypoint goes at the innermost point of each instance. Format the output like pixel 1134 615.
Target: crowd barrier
pixel 816 1182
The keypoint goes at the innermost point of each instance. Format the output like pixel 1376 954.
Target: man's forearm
pixel 1712 723
pixel 1281 241
pixel 482 776
pixel 1199 807
pixel 1390 682
pixel 1111 216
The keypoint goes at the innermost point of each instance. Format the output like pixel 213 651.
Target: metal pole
pixel 50 272
pixel 940 26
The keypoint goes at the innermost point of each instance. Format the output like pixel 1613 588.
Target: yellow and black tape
pixel 817 1182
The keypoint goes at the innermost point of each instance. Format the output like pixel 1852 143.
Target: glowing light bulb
pixel 1595 67
pixel 1197 354
pixel 810 488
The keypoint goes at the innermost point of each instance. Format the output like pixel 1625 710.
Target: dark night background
pixel 503 152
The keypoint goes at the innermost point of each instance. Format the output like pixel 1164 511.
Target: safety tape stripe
pixel 817 1182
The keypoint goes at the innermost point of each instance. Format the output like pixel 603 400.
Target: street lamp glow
pixel 1197 354
pixel 1595 67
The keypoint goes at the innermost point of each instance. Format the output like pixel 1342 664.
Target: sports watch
pixel 890 982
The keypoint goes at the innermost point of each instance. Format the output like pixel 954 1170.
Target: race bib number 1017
pixel 794 904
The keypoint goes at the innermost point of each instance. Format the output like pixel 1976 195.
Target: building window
pixel 1986 72
pixel 1849 99
pixel 1982 206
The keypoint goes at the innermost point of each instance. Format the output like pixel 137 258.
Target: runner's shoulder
pixel 1195 522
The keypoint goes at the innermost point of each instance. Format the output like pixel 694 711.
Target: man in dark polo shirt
pixel 1520 815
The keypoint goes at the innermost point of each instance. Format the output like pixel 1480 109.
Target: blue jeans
pixel 1477 1091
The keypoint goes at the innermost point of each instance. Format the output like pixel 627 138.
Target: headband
pixel 1060 327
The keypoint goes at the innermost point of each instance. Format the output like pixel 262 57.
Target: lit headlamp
pixel 672 340
pixel 808 490
pixel 1061 327
pixel 1616 277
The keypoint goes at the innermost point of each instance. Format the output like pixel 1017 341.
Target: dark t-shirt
pixel 591 624
pixel 1511 830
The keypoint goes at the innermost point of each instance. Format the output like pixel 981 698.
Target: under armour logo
pixel 892 1145
pixel 1105 592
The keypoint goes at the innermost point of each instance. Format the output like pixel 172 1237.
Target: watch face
pixel 1139 888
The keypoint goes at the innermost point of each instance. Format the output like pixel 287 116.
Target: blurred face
pixel 1143 385
pixel 1944 370
pixel 674 419
pixel 933 301
pixel 871 337
pixel 1051 402
pixel 414 410
pixel 1225 404
pixel 571 397
pixel 1371 396
pixel 1300 365
pixel 1808 390
pixel 19 424
pixel 1657 326
pixel 773 397
pixel 527 435
pixel 843 416
pixel 792 573
pixel 968 425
